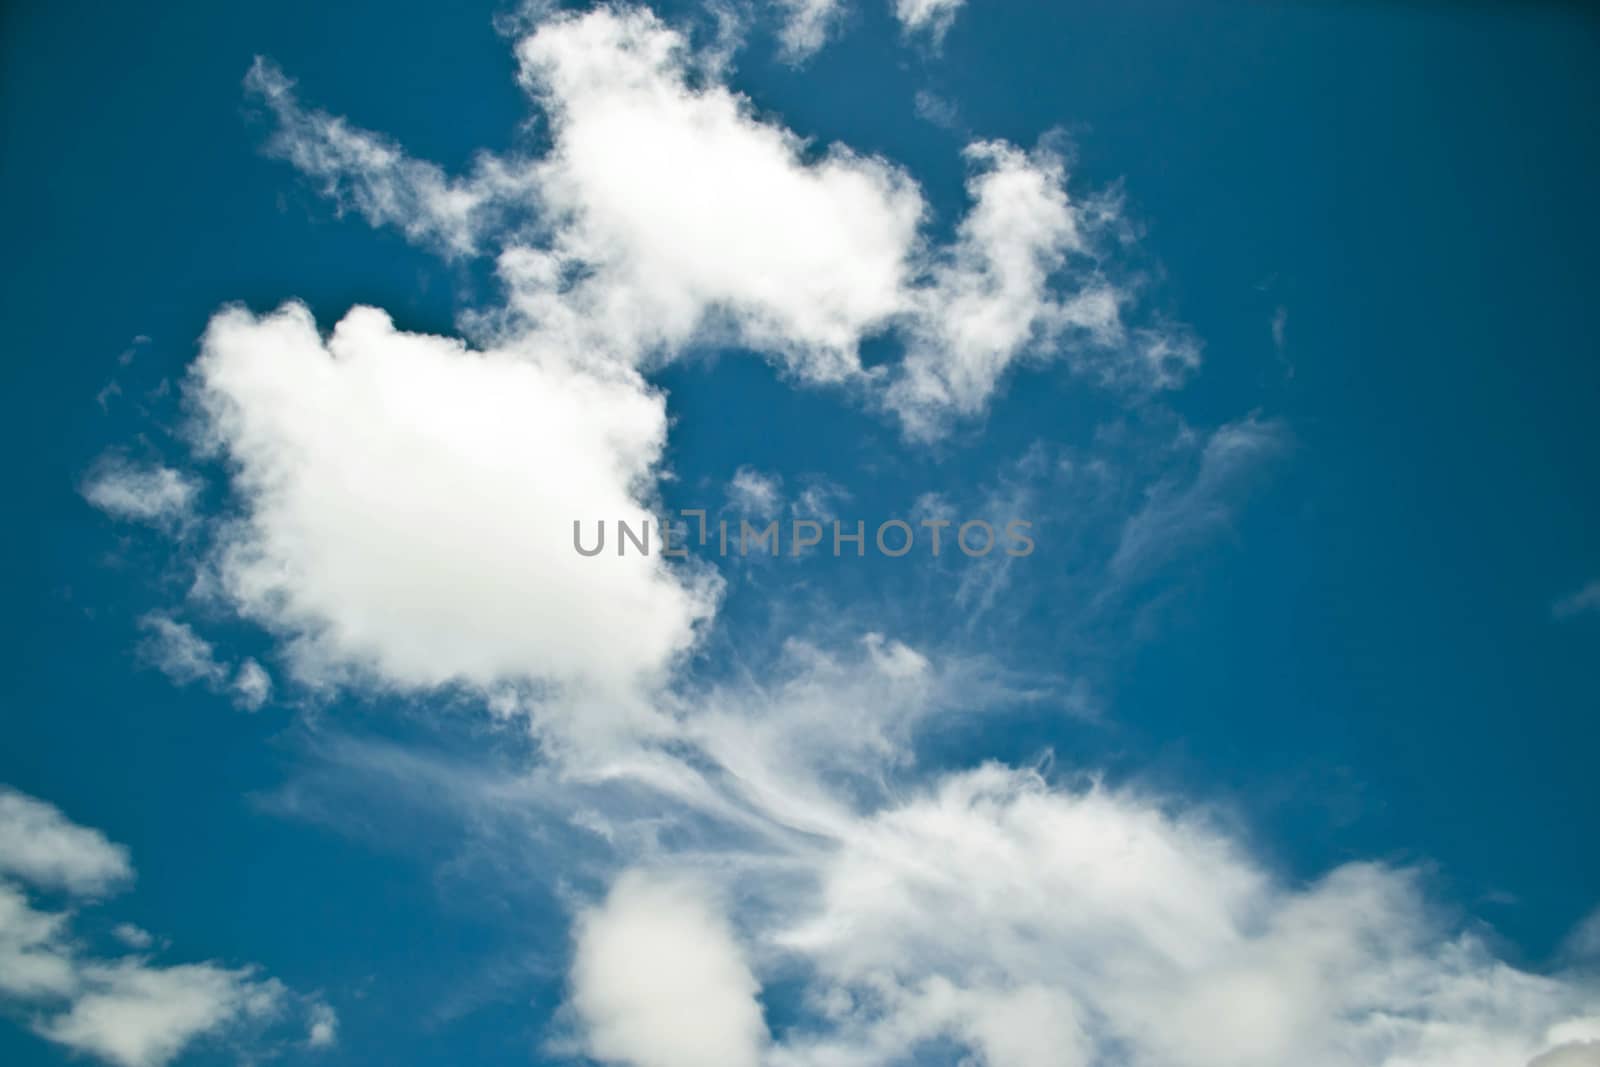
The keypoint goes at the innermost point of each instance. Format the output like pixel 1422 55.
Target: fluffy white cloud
pixel 405 505
pixel 931 17
pixel 990 300
pixel 659 981
pixel 666 213
pixel 132 936
pixel 1022 919
pixel 154 494
pixel 128 1012
pixel 252 685
pixel 1154 925
pixel 754 494
pixel 174 649
pixel 1029 922
pixel 41 845
pixel 408 508
pixel 177 651
pixel 806 26
pixel 324 1029
pixel 684 208
pixel 32 961
pixel 134 1015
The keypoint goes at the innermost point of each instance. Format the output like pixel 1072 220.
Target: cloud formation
pixel 186 658
pixel 407 509
pixel 1579 602
pixel 39 844
pixel 127 1011
pixel 665 214
pixel 158 495
pixel 929 17
pixel 401 508
pixel 659 981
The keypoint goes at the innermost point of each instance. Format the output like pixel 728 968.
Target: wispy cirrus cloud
pixel 1578 602
pixel 154 494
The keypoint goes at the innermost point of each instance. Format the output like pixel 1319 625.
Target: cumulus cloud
pixel 132 936
pixel 807 25
pixel 324 1029
pixel 1036 925
pixel 658 980
pixel 151 494
pixel 1149 925
pixel 252 685
pixel 665 213
pixel 134 1015
pixel 129 1011
pixel 41 845
pixel 31 961
pixel 1019 916
pixel 174 649
pixel 403 508
pixel 755 494
pixel 408 506
pixel 1025 920
pixel 930 17
pixel 186 658
pixel 990 298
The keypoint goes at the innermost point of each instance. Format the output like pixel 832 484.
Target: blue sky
pixel 321 744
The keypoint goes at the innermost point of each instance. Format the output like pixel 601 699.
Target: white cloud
pixel 324 1029
pixel 152 494
pixel 132 936
pixel 127 1011
pixel 669 214
pixel 659 981
pixel 404 508
pixel 252 685
pixel 1580 602
pixel 754 494
pixel 931 107
pixel 931 17
pixel 174 649
pixel 33 962
pixel 42 846
pixel 409 505
pixel 186 658
pixel 686 210
pixel 806 26
pixel 1034 923
pixel 1023 920
pixel 995 897
pixel 990 298
pixel 133 1015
